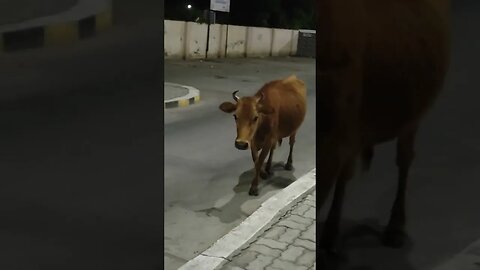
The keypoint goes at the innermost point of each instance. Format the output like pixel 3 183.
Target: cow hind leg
pixel 288 165
pixel 394 235
pixel 268 167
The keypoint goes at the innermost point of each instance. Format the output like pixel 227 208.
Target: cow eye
pixel 255 118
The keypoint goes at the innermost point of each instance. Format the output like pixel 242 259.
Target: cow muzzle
pixel 241 145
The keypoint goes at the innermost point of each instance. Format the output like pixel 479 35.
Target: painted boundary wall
pixel 188 40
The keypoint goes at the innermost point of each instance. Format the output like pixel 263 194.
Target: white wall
pixel 259 41
pixel 174 39
pixel 215 41
pixel 237 41
pixel 294 42
pixel 188 40
pixel 282 42
pixel 196 40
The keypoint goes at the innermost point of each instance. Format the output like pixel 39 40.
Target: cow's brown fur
pixel 275 112
pixel 380 66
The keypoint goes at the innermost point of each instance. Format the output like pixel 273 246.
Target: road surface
pixel 206 177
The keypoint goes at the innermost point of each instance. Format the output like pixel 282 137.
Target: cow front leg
pixel 327 173
pixel 331 230
pixel 289 165
pixel 394 235
pixel 268 167
pixel 254 153
pixel 258 168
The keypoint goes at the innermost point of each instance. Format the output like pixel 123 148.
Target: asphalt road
pixel 443 194
pixel 206 177
pixel 81 150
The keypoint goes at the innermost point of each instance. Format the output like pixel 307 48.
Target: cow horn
pixel 261 97
pixel 234 95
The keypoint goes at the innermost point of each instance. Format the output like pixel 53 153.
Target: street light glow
pixel 189 6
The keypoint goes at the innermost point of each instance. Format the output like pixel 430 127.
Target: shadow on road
pixel 360 248
pixel 232 210
pixel 280 179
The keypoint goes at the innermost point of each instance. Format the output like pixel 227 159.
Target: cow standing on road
pixel 275 112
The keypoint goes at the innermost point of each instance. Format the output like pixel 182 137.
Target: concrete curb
pixel 270 211
pixel 468 259
pixel 84 20
pixel 191 98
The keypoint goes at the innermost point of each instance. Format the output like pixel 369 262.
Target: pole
pixel 208 33
pixel 226 36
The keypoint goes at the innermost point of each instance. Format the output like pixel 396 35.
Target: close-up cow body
pixel 380 67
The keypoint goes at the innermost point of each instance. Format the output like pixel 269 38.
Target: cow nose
pixel 241 145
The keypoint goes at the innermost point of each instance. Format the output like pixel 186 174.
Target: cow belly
pixel 290 119
pixel 385 115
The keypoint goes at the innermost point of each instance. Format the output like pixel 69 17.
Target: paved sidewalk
pixel 288 244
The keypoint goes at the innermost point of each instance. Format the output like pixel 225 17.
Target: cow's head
pixel 248 113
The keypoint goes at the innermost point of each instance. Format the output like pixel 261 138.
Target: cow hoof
pixel 394 238
pixel 253 191
pixel 288 167
pixel 265 174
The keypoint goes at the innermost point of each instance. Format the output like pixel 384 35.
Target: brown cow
pixel 380 66
pixel 276 111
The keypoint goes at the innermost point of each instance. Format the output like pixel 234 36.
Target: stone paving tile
pixel 307 259
pixel 298 219
pixel 292 253
pixel 272 243
pixel 285 265
pixel 289 244
pixel 310 213
pixel 275 232
pixel 262 249
pixel 290 235
pixel 292 225
pixel 244 258
pixel 260 262
pixel 311 203
pixel 304 243
pixel 301 209
pixel 309 234
pixel 233 268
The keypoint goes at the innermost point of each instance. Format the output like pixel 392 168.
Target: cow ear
pixel 265 109
pixel 228 107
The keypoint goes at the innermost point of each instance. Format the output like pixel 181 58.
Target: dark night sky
pixel 198 4
pixel 265 13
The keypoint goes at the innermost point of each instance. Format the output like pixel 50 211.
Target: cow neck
pixel 263 128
